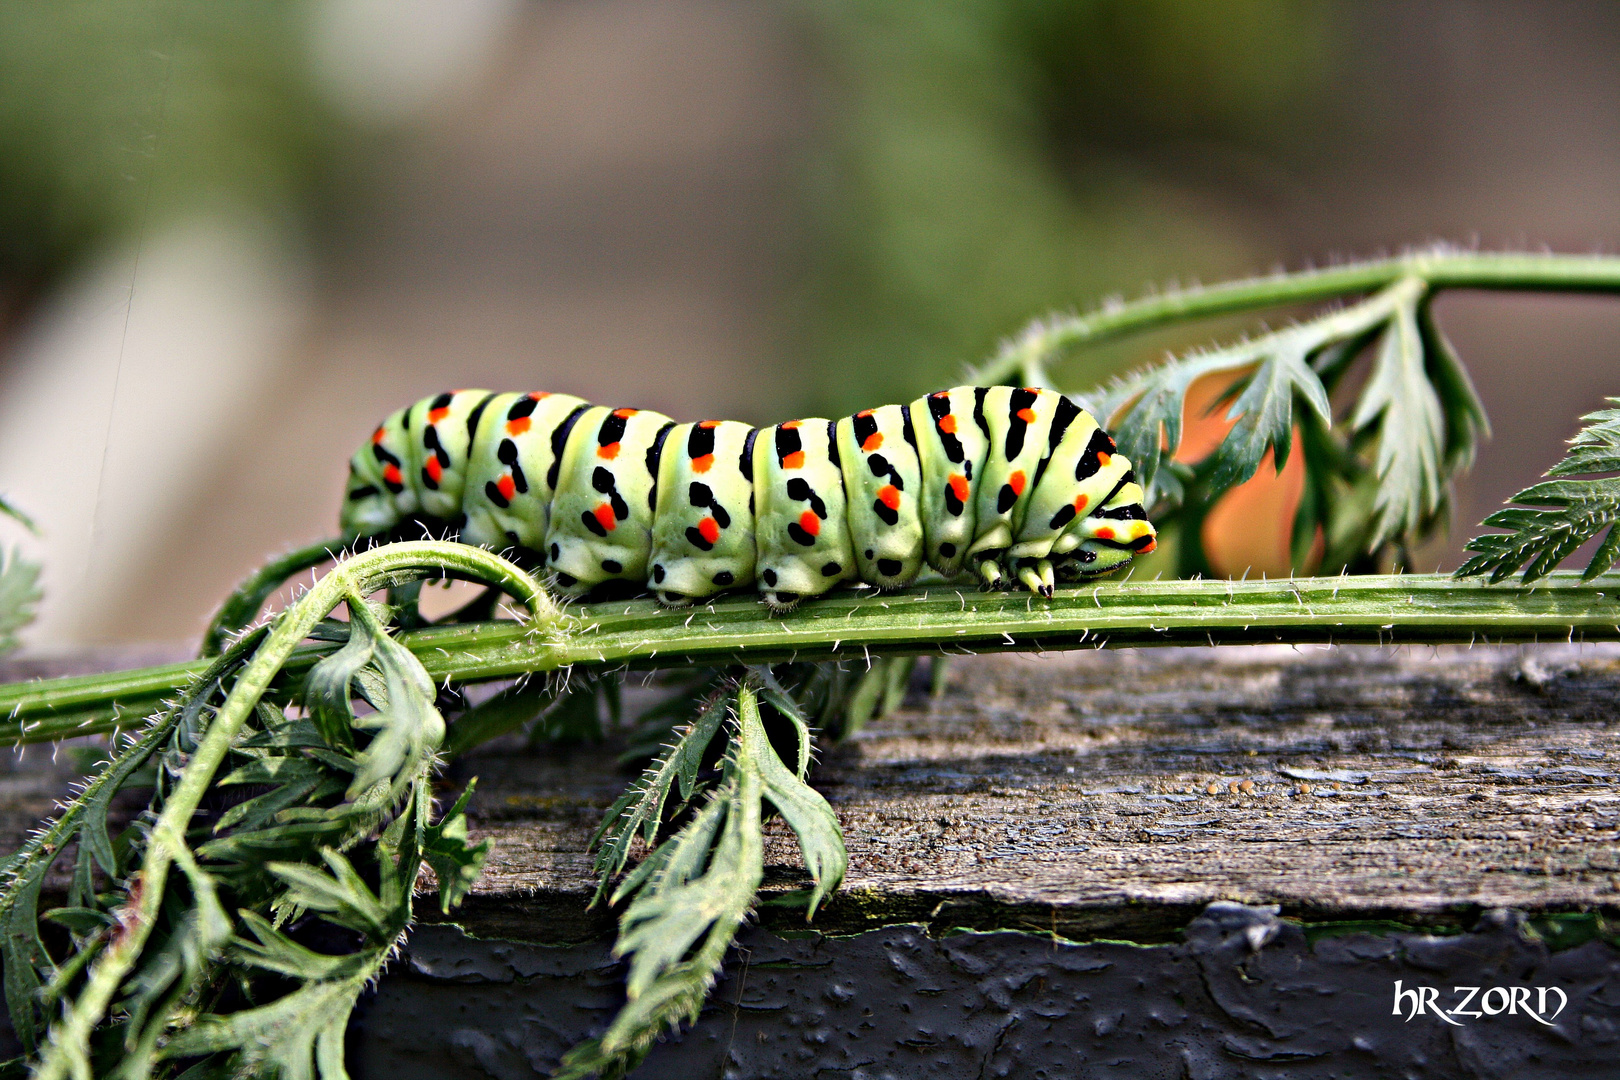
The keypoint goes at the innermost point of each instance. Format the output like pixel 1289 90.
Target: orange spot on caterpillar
pixel 1026 415
pixel 610 451
pixel 703 463
pixel 377 436
pixel 793 425
pixel 959 487
pixel 873 441
pixel 1105 533
pixel 507 487
pixel 604 515
pixel 518 426
pixel 710 529
pixel 1147 547
pixel 539 395
pixel 1081 503
pixel 947 423
pixel 625 414
pixel 1103 458
pixel 794 460
pixel 864 413
pixel 391 474
pixel 1017 481
pixel 708 423
pixel 810 523
pixel 435 415
pixel 889 496
pixel 434 469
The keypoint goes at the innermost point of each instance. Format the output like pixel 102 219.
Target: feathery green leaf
pixel 801 806
pixel 1555 517
pixel 640 810
pixel 1406 410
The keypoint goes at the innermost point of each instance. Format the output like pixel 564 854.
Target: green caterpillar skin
pixel 1001 483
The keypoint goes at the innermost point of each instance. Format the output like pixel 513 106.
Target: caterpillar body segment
pixel 441 430
pixel 1005 484
pixel 882 475
pixel 703 527
pixel 801 530
pixel 602 509
pixel 1017 423
pixel 515 457
pixel 952 443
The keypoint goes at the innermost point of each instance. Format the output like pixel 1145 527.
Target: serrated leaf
pixel 1596 448
pixel 782 701
pixel 24 956
pixel 278 769
pixel 683 856
pixel 1556 517
pixel 1263 411
pixel 820 839
pixel 274 951
pixel 261 810
pixel 640 810
pixel 296 1037
pixel 694 890
pixel 290 734
pixel 1466 422
pixel 1149 431
pixel 330 684
pixel 342 895
pixel 456 863
pixel 407 728
pixel 198 930
pixel 665 919
pixel 1411 428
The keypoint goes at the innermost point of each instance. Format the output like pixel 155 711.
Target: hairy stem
pixel 1024 357
pixel 1406 609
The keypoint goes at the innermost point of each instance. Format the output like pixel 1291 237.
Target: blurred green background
pixel 232 235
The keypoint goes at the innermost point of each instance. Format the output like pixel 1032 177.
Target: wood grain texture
pixel 1117 793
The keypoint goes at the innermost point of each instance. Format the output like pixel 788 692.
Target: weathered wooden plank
pixel 1118 793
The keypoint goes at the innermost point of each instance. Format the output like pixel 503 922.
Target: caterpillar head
pixel 1096 556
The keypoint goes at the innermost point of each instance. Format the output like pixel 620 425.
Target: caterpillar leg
pixel 990 573
pixel 1037 576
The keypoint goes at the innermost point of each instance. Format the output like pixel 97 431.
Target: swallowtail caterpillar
pixel 994 482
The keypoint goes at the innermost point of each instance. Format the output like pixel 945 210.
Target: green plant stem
pixel 1023 357
pixel 67 1053
pixel 1403 609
